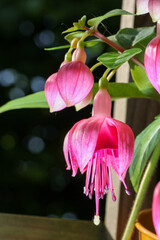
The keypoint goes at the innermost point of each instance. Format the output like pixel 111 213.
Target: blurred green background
pixel 33 179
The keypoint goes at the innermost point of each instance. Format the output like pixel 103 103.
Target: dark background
pixel 33 179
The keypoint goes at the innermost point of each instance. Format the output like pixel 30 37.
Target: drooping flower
pixel 156 209
pixel 96 144
pixel 151 62
pixel 71 84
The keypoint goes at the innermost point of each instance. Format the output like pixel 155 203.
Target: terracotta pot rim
pixel 141 228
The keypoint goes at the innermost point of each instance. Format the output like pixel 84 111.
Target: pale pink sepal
pixel 102 103
pixel 53 97
pixel 152 62
pixel 122 158
pixel 142 7
pixel 154 9
pixel 156 209
pixel 84 102
pixel 74 81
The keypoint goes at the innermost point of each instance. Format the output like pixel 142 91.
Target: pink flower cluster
pixel 93 145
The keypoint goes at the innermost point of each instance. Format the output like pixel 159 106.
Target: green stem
pixel 111 74
pixel 95 66
pixel 141 193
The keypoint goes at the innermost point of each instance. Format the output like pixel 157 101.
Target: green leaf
pixel 144 146
pixel 35 100
pixel 121 90
pixel 57 48
pixel 78 34
pixel 113 59
pixel 80 25
pixel 95 21
pixel 128 37
pixel 38 100
pixel 140 78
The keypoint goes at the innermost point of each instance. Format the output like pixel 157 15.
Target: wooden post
pixel 120 110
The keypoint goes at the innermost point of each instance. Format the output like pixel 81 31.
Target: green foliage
pixel 80 25
pixel 38 100
pixel 113 59
pixel 116 12
pixel 35 100
pixel 145 143
pixel 140 78
pixel 129 37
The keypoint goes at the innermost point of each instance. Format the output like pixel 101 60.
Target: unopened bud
pixel 79 55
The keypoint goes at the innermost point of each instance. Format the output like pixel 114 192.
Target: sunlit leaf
pixel 35 100
pixel 113 59
pixel 144 146
pixel 140 78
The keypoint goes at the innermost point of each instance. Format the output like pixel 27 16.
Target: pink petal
pixel 102 103
pixel 83 140
pixel 107 137
pixel 74 81
pixel 84 102
pixel 151 62
pixel 156 209
pixel 125 152
pixel 53 97
pixel 142 6
pixel 154 9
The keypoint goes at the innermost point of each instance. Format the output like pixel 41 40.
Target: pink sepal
pixel 83 140
pixel 84 102
pixel 154 9
pixel 74 81
pixel 156 209
pixel 142 7
pixel 151 62
pixel 53 97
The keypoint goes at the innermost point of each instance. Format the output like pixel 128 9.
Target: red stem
pixel 115 46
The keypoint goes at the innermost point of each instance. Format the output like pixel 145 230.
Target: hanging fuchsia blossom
pixel 96 144
pixel 156 209
pixel 151 6
pixel 152 62
pixel 71 84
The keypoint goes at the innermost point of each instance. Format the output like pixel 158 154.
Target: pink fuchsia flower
pixel 151 62
pixel 96 144
pixel 151 6
pixel 156 209
pixel 70 85
pixel 142 6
